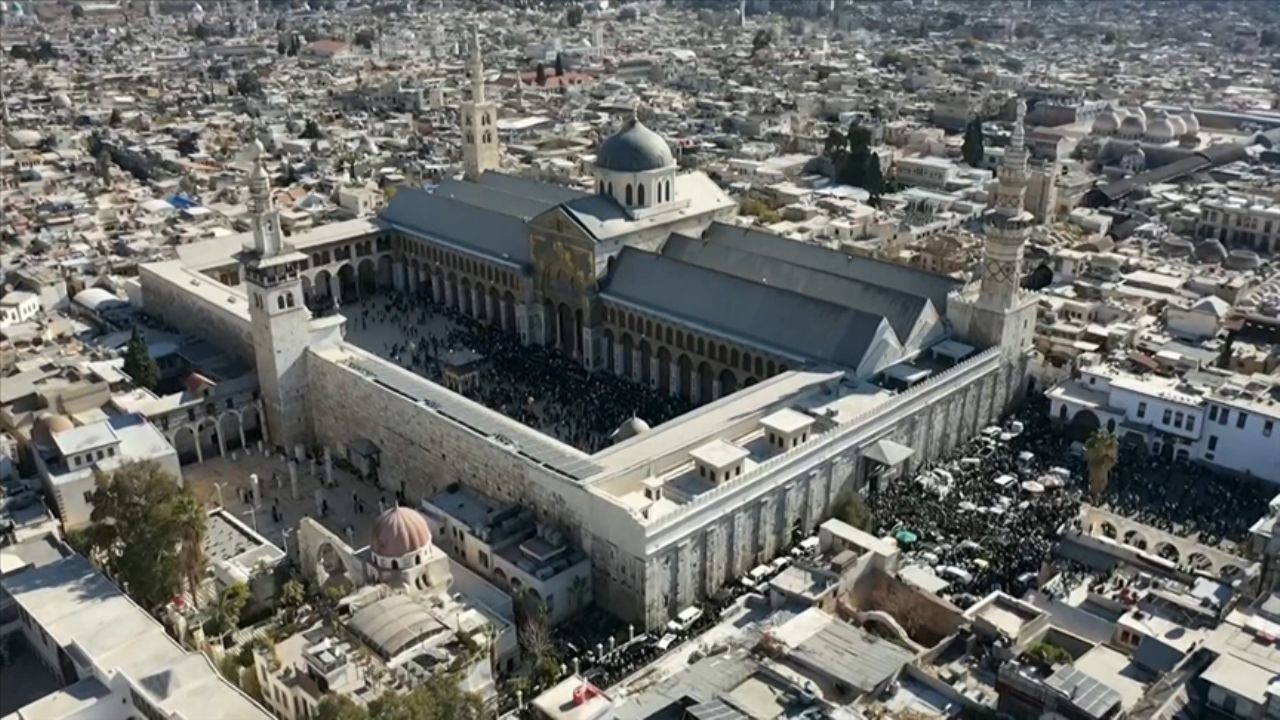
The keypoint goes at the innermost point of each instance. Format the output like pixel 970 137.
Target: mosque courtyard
pixel 539 387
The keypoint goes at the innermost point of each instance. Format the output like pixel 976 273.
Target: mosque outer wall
pixel 426 450
pixel 690 557
pixel 645 573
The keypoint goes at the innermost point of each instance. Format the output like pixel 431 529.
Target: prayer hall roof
pixel 758 314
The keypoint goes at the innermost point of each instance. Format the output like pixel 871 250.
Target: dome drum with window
pixel 635 167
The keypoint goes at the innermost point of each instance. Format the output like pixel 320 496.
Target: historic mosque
pixel 812 373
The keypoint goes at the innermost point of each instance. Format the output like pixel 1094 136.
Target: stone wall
pixel 692 553
pixel 211 311
pixel 423 450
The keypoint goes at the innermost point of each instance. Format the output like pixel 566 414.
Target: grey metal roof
pixel 757 314
pixel 1087 693
pixel 715 710
pixel 858 659
pixel 634 148
pixel 868 270
pixel 489 198
pixel 470 227
pixel 548 193
pixel 902 309
pixel 522 440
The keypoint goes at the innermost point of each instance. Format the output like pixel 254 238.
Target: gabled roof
pixel 901 309
pixel 546 193
pixel 470 227
pixel 762 315
pixel 868 270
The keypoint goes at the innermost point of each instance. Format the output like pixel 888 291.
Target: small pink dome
pixel 398 532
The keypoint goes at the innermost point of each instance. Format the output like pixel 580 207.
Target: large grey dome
pixel 634 148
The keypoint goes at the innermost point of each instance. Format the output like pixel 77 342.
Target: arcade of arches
pixel 655 352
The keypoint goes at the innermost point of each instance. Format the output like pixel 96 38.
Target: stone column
pixel 524 322
pixel 328 467
pixel 335 290
pixel 293 480
pixel 673 387
pixel 437 289
pixel 477 297
pixel 695 385
pixel 397 276
pixel 715 388
pixel 588 348
pixel 618 354
pixel 637 372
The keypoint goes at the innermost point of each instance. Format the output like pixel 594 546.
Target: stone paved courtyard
pixel 273 472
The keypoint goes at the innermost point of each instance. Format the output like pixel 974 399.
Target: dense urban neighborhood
pixel 639 360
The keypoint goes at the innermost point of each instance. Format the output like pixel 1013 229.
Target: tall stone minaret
pixel 1008 222
pixel 480 150
pixel 278 316
pixel 997 312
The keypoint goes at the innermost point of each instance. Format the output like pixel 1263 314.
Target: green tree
pixel 249 83
pixel 972 150
pixel 192 563
pixel 834 144
pixel 340 707
pixel 311 131
pixel 874 178
pixel 1051 654
pixel 853 510
pixel 758 210
pixel 225 613
pixel 138 363
pixel 137 528
pixel 1101 450
pixel 291 597
pixel 439 698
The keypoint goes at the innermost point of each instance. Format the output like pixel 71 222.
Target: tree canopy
pixel 439 698
pixel 972 150
pixel 138 363
pixel 140 521
pixel 1102 450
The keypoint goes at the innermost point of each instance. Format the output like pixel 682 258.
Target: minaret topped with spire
pixel 267 235
pixel 477 68
pixel 480 150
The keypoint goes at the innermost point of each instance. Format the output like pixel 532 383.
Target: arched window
pixel 280 301
pixel 395 564
pixel 628 194
pixel 610 188
pixel 640 194
pixel 666 191
pixel 288 299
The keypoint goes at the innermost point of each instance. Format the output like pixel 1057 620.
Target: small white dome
pixel 1160 130
pixel 1133 127
pixel 62 101
pixel 1106 123
pixel 1192 122
pixel 1179 125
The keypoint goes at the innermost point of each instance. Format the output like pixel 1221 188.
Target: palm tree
pixel 1101 450
pixel 578 590
pixel 191 520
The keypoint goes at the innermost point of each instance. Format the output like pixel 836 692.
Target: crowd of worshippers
pixel 537 386
pixel 986 518
pixel 1186 499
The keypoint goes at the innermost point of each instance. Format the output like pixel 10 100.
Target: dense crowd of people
pixel 971 519
pixel 537 386
pixel 1186 499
